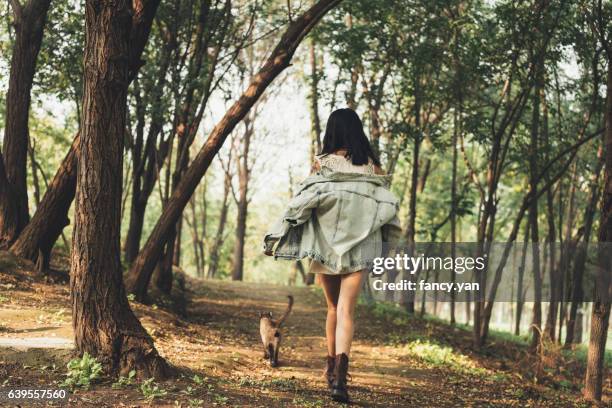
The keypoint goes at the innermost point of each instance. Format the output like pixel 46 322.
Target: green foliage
pixel 82 372
pixel 60 69
pixel 123 382
pixel 221 399
pixel 151 390
pixel 196 402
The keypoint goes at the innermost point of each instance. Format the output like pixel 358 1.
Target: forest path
pixel 396 360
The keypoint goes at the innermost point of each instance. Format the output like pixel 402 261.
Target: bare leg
pixel 349 292
pixel 331 289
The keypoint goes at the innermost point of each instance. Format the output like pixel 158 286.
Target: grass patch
pixel 302 402
pixel 388 311
pixel 498 335
pixel 579 353
pixel 279 384
pixel 436 355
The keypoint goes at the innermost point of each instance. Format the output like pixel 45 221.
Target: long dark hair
pixel 344 130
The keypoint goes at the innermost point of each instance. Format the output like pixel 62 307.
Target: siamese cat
pixel 270 333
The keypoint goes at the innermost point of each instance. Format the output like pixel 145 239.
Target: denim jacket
pixel 339 219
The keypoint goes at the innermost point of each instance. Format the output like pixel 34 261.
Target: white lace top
pixel 342 164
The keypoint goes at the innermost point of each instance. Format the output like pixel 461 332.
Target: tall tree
pixel 279 59
pixel 29 21
pixel 600 312
pixel 211 32
pixel 244 169
pixel 104 325
pixel 215 251
pixel 51 216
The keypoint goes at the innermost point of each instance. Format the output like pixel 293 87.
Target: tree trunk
pixel 242 203
pixel 532 195
pixel 132 240
pixel 147 154
pixel 580 258
pixel 315 122
pixel 520 297
pixel 414 180
pixel 453 217
pixel 533 207
pixel 51 216
pixel 600 314
pixel 555 294
pixel 195 236
pixel 104 325
pixel 218 242
pixel 238 260
pixel 162 277
pixel 29 24
pixel 176 256
pixel 567 250
pixel 142 268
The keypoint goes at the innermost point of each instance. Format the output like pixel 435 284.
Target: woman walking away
pixel 339 218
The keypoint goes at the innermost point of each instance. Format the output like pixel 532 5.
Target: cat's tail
pixel 289 307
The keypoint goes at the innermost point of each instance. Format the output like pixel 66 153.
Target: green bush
pixel 82 372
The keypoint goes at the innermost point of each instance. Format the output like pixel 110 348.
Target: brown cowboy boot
pixel 339 392
pixel 329 371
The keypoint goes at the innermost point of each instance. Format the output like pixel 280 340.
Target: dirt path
pixel 396 361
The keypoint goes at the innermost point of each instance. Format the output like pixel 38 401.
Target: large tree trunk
pixel 51 216
pixel 600 314
pixel 104 325
pixel 29 24
pixel 140 273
